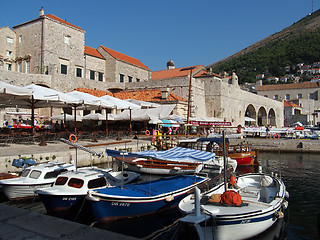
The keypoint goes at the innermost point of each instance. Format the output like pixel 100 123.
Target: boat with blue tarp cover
pixel 176 160
pixel 139 199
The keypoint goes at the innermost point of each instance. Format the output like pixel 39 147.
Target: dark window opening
pixel 96 183
pixel 64 69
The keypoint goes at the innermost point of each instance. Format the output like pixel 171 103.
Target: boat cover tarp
pixel 216 140
pixel 152 188
pixel 174 154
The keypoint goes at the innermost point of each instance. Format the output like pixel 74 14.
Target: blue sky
pixel 188 32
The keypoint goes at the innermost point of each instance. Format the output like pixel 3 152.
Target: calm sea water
pixel 300 173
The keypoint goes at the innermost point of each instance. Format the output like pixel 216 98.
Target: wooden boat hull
pixel 161 167
pixel 244 155
pixel 242 159
pixel 132 200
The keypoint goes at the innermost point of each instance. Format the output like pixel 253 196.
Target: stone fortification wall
pixel 229 102
pixel 23 79
pixel 213 98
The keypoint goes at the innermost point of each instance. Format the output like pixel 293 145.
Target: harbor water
pixel 299 172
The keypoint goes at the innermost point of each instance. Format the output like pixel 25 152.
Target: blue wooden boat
pixel 132 200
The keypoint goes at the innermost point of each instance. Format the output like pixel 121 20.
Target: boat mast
pixel 224 160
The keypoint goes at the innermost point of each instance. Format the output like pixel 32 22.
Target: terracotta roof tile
pixel 176 72
pixel 150 95
pixel 61 20
pixel 204 73
pixel 92 52
pixel 94 92
pixel 289 86
pixel 125 58
pixel 290 104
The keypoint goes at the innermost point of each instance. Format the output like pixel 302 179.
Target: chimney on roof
pixel 164 93
pixel 41 12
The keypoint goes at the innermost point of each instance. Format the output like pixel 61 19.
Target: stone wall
pixel 5 46
pixel 115 67
pixel 229 102
pixel 29 48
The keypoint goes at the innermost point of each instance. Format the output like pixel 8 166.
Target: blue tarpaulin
pixel 173 154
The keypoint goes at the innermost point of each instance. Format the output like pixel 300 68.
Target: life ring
pixel 276 136
pixel 73 138
pixel 147 132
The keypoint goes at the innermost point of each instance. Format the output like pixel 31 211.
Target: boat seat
pixel 266 194
pixel 250 193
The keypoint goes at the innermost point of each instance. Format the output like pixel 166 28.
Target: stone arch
pixel 262 117
pixel 272 117
pixel 251 112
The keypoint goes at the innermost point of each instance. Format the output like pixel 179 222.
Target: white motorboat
pixel 70 189
pixel 262 200
pixel 41 175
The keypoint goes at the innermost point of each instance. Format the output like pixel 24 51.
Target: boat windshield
pixel 53 174
pixel 35 174
pixel 61 181
pixel 96 183
pixel 75 182
pixel 25 173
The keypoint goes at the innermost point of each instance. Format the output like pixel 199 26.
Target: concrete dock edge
pixel 16 223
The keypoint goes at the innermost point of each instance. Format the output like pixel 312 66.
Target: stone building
pixel 212 95
pixel 306 95
pixel 52 52
pixel 51 46
pixel 7 49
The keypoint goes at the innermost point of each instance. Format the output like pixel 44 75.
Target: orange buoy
pixel 73 138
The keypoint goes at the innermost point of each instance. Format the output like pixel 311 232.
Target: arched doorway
pixel 262 117
pixel 272 117
pixel 250 116
pixel 251 112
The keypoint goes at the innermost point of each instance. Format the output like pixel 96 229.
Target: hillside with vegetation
pixel 298 43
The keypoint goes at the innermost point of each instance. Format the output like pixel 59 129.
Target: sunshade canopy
pixel 90 101
pixel 119 103
pixel 248 119
pixel 67 117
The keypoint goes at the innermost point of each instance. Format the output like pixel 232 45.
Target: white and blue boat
pixel 262 200
pixel 145 198
pixel 33 177
pixel 70 189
